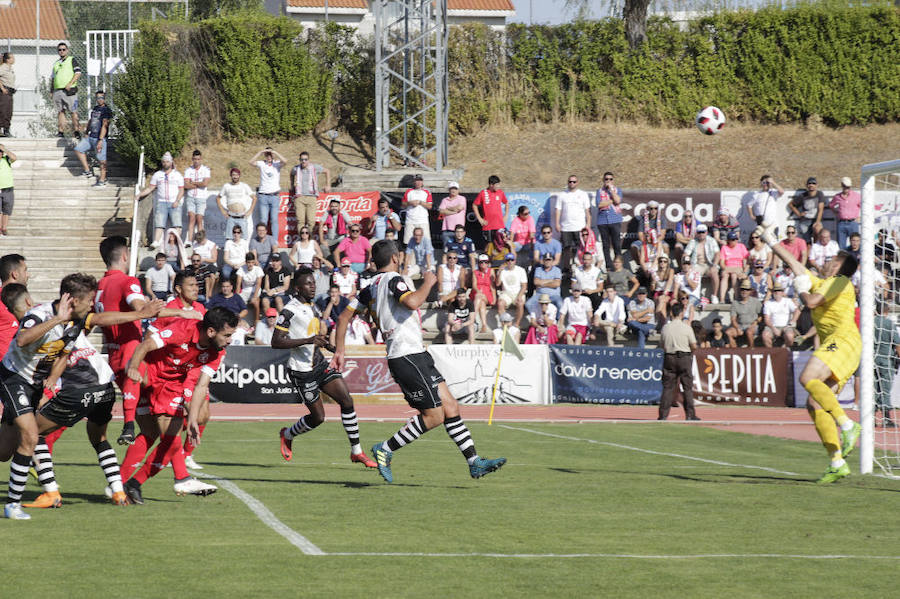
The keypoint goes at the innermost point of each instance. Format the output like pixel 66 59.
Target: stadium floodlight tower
pixel 411 83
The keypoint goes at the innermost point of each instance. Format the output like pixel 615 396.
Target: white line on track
pixel 650 451
pixel 404 418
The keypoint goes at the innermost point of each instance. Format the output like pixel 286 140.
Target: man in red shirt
pixel 795 244
pixel 189 349
pixel 12 270
pixel 490 208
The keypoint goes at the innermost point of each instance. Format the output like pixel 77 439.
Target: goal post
pixel 880 211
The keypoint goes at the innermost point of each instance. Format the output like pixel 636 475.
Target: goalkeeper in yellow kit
pixel 832 301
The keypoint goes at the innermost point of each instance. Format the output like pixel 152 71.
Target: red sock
pixel 136 453
pixel 52 437
pixel 131 393
pixel 159 457
pixel 189 445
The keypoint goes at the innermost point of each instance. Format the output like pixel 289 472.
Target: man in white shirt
pixel 417 202
pixel 196 178
pixel 590 277
pixel 763 206
pixel 158 280
pixel 822 250
pixel 780 315
pixel 513 285
pixel 577 309
pixel 610 316
pixel 169 187
pixel 236 201
pixel 262 335
pixel 269 191
pixel 572 214
pixel 249 284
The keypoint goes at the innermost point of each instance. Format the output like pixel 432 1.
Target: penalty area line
pixel 615 555
pixel 650 451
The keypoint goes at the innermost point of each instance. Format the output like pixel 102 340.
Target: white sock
pixel 847 425
pixel 355 449
pixel 837 463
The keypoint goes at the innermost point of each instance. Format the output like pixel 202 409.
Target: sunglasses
pixel 510 259
pixel 354 230
pixel 585 234
pixel 525 213
pixel 451 257
pixel 754 237
pixel 791 232
pixel 546 232
pixel 607 178
pixel 573 181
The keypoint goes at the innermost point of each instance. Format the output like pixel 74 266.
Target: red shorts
pixel 580 328
pixel 167 398
pixel 118 359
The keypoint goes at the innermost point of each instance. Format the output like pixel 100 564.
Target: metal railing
pixel 135 236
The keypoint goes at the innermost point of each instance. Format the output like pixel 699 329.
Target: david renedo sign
pixel 608 375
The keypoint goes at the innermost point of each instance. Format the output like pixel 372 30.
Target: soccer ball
pixel 710 120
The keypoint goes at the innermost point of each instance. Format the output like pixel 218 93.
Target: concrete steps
pixel 360 179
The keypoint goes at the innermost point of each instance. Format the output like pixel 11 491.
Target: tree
pixel 634 12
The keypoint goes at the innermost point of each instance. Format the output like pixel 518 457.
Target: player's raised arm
pixel 106 319
pixel 29 332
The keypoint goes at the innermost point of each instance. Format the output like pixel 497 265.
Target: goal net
pixel 879 302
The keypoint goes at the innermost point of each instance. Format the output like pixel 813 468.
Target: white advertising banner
pixel 470 371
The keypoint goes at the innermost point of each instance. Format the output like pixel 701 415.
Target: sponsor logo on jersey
pixel 165 334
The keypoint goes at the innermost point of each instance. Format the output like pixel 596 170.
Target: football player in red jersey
pixel 12 270
pixel 188 348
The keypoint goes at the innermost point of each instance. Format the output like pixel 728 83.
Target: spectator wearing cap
pixel 760 281
pixel 610 316
pixel 262 334
pixel 547 280
pixel 722 225
pixel 522 230
pixel 490 208
pixel 733 257
pixel 763 205
pixel 571 214
pixel 499 247
pixel 807 207
pixel 609 219
pixel 383 221
pixel 590 278
pixel 576 310
pixel 451 277
pixel 544 245
pixel 417 202
pixel 236 202
pixel 460 318
pixel 622 279
pixel 780 317
pixel 464 248
pixel 453 212
pixel 542 319
pixel 346 278
pixel 333 227
pixel 483 286
pixel 651 231
pixel 795 244
pixel 506 320
pixel 641 316
pixel 745 317
pixel 355 247
pixel 703 252
pixel 845 206
pixel 678 343
pixel 760 252
pixel 419 255
pixel 823 250
pixel 275 285
pixel 168 185
pixel 512 283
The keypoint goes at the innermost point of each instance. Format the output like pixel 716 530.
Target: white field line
pixel 404 418
pixel 650 451
pixel 617 555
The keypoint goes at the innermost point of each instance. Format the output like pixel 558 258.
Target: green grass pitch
pixel 578 511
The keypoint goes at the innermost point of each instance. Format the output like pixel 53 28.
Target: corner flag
pixel 510 346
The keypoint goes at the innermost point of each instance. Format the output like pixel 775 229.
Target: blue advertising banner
pixel 609 375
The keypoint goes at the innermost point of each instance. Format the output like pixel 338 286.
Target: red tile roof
pixel 18 21
pixel 451 4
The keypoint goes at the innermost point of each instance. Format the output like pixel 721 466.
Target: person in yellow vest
pixel 64 93
pixel 6 187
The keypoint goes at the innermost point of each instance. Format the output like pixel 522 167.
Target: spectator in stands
pixel 451 277
pixel 882 286
pixel 249 284
pixel 887 349
pixel 97 139
pixel 460 318
pixel 780 317
pixel 822 250
pixel 506 320
pixel 547 280
pixel 417 202
pixel 760 252
pixel 704 254
pixel 174 250
pixel 610 316
pixel 760 281
pixel 845 206
pixel 744 316
pixel 7 196
pixel 356 248
pixel 688 309
pixel 158 279
pixel 464 248
pixel 717 337
pixel 499 247
pixel 571 214
pixel 263 246
pixel 795 244
pixel 205 275
pixel 700 333
pixel 262 335
pixel 346 279
pixel 543 329
pixel 807 208
pixel 236 250
pixel 419 255
pixel 483 286
pixel 227 298
pixel 651 233
pixel 587 244
pixel 576 311
pixel 763 206
pixel 275 285
pixel 609 219
pixel 641 316
pixel 622 279
pixel 64 90
pixel 7 89
pixel 236 202
pixel 784 277
pixel 662 280
pixel 169 187
pixel 358 332
pixel 453 212
pixel 305 189
pixel 523 233
pixel 490 207
pixel 333 226
pixel 546 245
pixel 689 281
pixel 306 249
pixel 724 224
pixel 196 179
pixel 331 306
pixel 733 257
pixel 208 251
pixel 855 246
pixel 268 194
pixel 685 230
pixel 322 276
pixel 590 277
pixel 383 221
pixel 512 284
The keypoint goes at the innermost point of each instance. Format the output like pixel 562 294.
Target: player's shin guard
pixel 136 453
pixel 828 433
pixel 110 465
pixel 18 476
pixel 51 438
pixel 159 457
pixel 351 427
pixel 131 393
pixel 189 445
pixel 411 431
pixel 459 432
pixel 43 464
pixel 826 398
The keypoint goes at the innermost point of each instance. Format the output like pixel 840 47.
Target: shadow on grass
pixel 751 479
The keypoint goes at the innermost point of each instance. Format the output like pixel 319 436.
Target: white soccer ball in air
pixel 710 120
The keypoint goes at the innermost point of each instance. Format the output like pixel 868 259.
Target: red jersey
pixel 179 354
pixel 8 327
pixel 115 293
pixel 492 208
